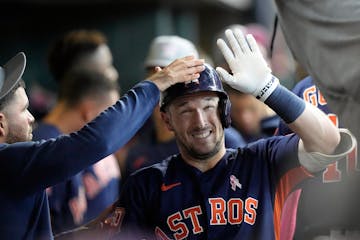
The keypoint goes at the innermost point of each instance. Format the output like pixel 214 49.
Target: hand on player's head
pixel 181 70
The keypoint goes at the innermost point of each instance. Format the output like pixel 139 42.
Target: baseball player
pixel 27 168
pixel 85 195
pixel 81 62
pixel 158 142
pixel 208 191
pixel 305 214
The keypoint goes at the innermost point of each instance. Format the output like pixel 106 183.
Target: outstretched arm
pixel 37 165
pixel 251 74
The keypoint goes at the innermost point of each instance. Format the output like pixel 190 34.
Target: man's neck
pixel 204 164
pixel 65 119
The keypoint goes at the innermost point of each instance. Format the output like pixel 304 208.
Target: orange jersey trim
pixel 283 189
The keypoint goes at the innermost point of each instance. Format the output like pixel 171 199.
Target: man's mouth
pixel 202 134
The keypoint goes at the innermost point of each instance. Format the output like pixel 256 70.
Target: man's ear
pixel 166 118
pixel 3 125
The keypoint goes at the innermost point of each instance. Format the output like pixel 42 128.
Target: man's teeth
pixel 202 134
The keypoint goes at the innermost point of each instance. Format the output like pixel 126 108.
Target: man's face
pixel 16 120
pixel 195 121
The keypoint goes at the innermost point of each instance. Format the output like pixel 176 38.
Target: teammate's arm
pixel 37 165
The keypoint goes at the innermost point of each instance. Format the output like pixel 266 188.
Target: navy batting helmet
pixel 209 81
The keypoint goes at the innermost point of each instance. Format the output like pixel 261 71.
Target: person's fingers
pixel 233 43
pixel 198 63
pixel 187 67
pixel 181 70
pixel 158 69
pixel 190 57
pixel 242 41
pixel 225 50
pixel 252 43
pixel 194 69
pixel 186 62
pixel 191 76
pixel 224 75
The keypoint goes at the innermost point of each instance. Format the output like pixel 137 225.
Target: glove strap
pixel 269 87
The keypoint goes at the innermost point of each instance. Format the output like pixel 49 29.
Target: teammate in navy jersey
pixel 67 201
pixel 27 168
pixel 83 197
pixel 81 62
pixel 327 204
pixel 208 191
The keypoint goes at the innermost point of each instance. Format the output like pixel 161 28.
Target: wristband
pixel 269 87
pixel 286 104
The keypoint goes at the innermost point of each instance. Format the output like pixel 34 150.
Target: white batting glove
pixel 251 74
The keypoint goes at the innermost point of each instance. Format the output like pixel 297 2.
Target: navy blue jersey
pixel 329 199
pixel 146 154
pixel 62 195
pixel 28 168
pixel 233 138
pixel 101 182
pixel 234 200
pixel 269 125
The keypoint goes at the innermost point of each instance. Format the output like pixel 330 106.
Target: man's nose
pixel 200 118
pixel 30 117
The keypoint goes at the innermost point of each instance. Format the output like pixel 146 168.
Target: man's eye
pixel 208 107
pixel 184 111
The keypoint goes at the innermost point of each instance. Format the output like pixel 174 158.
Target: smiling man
pixel 208 191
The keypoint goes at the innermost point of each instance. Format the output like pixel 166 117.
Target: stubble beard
pixel 14 138
pixel 203 156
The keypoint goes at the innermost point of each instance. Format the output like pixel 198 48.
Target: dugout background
pixel 129 25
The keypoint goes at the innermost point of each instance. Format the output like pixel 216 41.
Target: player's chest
pixel 195 209
pixel 213 218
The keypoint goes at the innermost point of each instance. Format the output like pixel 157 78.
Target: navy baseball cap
pixel 11 72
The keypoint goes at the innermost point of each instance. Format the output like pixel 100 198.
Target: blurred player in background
pixel 78 52
pixel 82 95
pixel 326 205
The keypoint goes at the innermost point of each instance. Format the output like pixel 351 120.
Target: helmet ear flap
pixel 225 108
